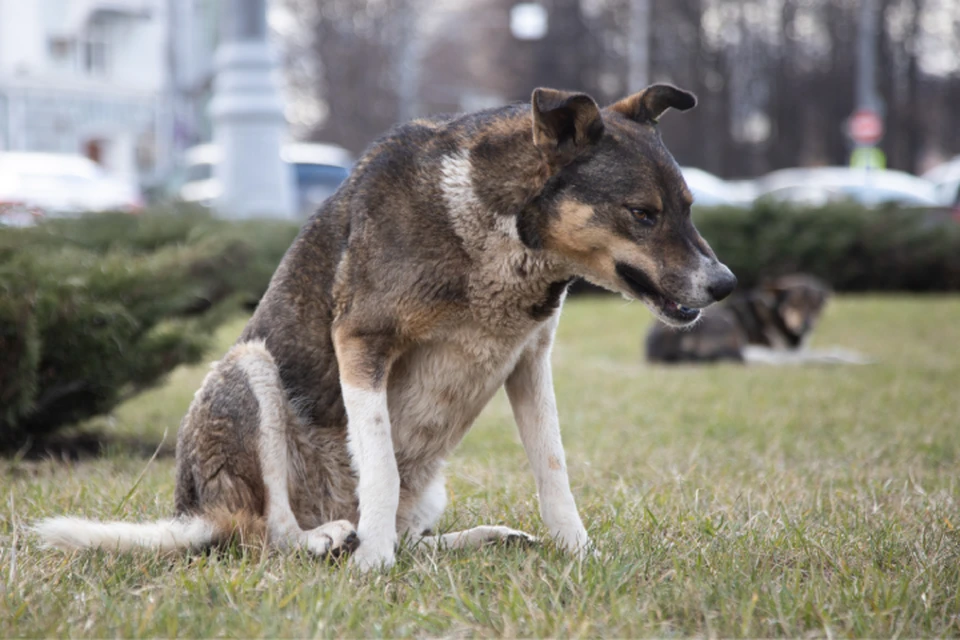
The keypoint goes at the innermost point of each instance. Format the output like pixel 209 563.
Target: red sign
pixel 865 127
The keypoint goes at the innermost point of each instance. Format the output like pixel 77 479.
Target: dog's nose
pixel 723 285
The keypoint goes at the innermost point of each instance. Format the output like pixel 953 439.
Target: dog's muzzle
pixel 668 309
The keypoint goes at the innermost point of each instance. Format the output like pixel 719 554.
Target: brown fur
pixel 434 276
pixel 242 527
pixel 380 276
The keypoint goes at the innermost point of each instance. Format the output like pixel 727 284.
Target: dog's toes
pixel 519 538
pixel 510 537
pixel 350 544
pixel 331 540
pixel 352 541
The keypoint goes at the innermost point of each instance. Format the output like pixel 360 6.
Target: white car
pixel 38 185
pixel 946 178
pixel 869 187
pixel 318 171
pixel 712 191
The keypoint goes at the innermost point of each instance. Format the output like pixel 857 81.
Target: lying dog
pixel 770 324
pixel 433 277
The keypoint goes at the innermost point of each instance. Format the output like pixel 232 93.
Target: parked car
pixel 318 171
pixel 713 191
pixel 869 187
pixel 946 180
pixel 38 185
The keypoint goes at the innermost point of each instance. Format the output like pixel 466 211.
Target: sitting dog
pixel 433 277
pixel 770 324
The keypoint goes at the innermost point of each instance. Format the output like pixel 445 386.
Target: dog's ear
pixel 649 104
pixel 564 124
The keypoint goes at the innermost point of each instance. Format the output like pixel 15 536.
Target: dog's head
pixel 615 204
pixel 798 300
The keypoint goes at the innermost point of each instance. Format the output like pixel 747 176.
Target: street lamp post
pixel 248 118
pixel 639 46
pixel 865 126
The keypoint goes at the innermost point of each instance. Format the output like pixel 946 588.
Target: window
pixel 96 50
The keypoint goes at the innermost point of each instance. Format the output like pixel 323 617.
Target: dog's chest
pixel 436 390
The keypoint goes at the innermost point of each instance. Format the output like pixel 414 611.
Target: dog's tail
pixel 176 534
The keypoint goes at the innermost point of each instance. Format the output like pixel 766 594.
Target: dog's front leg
pixel 530 389
pixel 364 366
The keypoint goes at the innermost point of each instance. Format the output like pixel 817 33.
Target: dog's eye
pixel 643 216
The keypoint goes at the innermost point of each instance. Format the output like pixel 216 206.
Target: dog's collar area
pixel 641 285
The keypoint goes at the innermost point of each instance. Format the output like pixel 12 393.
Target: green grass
pixel 726 501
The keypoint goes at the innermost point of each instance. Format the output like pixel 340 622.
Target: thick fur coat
pixel 431 279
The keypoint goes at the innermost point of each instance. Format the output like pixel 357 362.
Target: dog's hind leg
pixel 283 530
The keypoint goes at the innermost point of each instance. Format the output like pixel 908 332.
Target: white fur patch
pixel 378 485
pixel 264 380
pixel 457 181
pixel 471 220
pixel 163 535
pixel 425 514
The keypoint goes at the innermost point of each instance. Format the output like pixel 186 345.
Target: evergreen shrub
pixel 95 309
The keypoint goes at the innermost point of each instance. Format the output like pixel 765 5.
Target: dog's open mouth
pixel 668 309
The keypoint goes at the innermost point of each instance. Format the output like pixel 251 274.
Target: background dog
pixel 770 324
pixel 433 277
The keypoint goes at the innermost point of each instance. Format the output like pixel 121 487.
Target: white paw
pixel 369 557
pixel 506 535
pixel 576 542
pixel 332 538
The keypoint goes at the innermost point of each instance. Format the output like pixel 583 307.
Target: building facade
pixel 124 82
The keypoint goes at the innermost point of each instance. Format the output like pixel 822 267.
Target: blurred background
pixel 128 85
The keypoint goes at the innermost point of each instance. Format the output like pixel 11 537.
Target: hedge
pixel 96 309
pixel 852 248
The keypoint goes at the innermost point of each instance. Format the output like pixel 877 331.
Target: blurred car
pixel 869 187
pixel 712 191
pixel 318 170
pixel 38 185
pixel 946 180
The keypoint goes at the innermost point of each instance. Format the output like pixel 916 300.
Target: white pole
pixel 248 119
pixel 867 56
pixel 408 62
pixel 638 74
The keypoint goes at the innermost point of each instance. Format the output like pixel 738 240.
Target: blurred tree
pixel 775 78
pixel 351 46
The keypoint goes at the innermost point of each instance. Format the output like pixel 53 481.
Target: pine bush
pixel 96 309
pixel 849 246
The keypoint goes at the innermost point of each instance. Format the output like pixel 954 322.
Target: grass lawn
pixel 726 502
